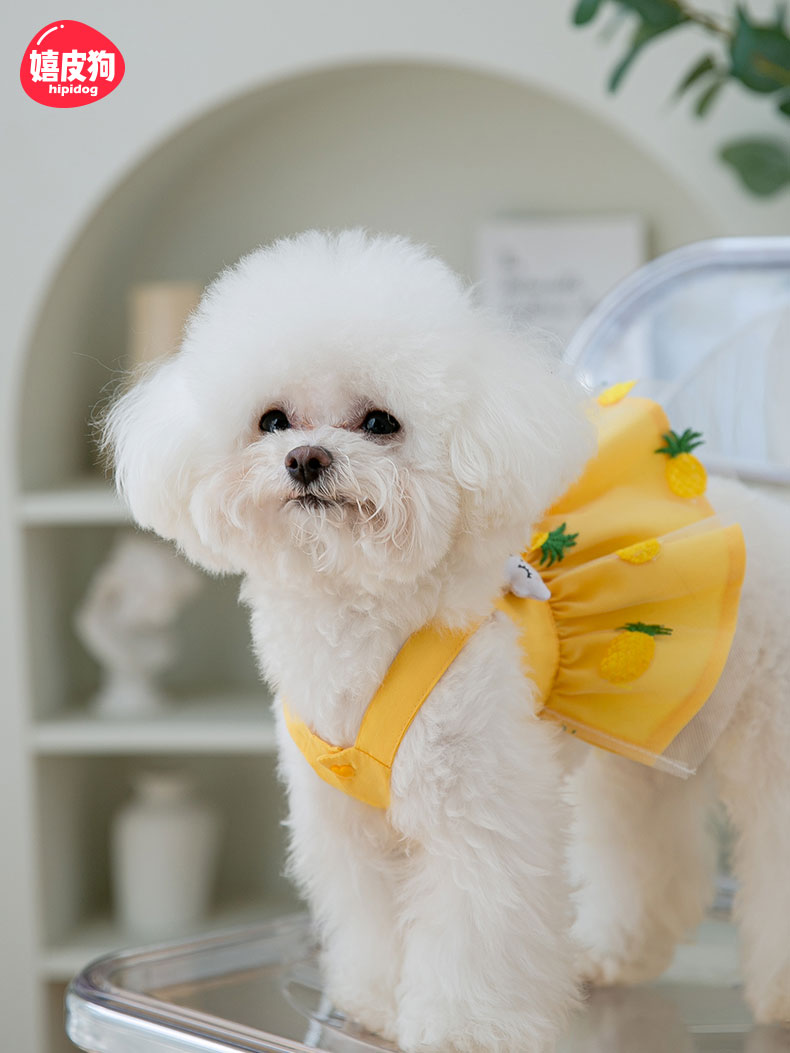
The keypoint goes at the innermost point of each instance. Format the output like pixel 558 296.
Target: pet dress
pixel 643 587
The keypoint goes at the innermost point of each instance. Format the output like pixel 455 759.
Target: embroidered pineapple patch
pixel 616 393
pixel 641 552
pixel 631 652
pixel 685 475
pixel 552 544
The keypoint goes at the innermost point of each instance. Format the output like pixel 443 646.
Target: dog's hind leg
pixel 752 757
pixel 753 766
pixel 641 865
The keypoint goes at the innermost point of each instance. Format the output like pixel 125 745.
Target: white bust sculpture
pixel 125 621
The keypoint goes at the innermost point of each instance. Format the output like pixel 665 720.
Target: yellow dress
pixel 644 586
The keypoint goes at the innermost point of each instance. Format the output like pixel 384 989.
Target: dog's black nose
pixel 305 463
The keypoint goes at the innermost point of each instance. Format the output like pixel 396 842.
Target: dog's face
pixel 335 464
pixel 340 408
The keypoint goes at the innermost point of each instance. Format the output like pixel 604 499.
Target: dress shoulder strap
pixel 363 770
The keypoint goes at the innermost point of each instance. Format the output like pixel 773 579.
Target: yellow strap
pixel 363 770
pixel 414 673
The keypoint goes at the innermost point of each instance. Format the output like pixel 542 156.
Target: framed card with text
pixel 549 272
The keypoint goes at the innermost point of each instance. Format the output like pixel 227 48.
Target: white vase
pixel 164 845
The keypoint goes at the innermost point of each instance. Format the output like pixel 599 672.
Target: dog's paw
pixel 600 968
pixel 376 1015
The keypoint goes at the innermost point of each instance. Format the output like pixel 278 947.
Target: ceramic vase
pixel 164 844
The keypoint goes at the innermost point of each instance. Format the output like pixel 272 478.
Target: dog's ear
pixel 521 440
pixel 152 437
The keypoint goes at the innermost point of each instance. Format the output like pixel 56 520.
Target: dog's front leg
pixel 344 858
pixel 487 962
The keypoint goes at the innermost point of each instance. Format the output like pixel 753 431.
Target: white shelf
pixel 212 725
pixel 99 936
pixel 85 500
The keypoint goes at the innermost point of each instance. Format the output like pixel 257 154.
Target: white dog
pixel 347 431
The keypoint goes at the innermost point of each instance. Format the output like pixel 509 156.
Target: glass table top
pixel 259 989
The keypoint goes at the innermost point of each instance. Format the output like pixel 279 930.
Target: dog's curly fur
pixel 446 921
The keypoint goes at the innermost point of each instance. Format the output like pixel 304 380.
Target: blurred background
pixel 487 130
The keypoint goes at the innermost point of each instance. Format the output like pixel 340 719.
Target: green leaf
pixel 643 35
pixel 553 548
pixel 660 14
pixel 649 630
pixel 585 12
pixel 707 98
pixel 762 164
pixel 784 106
pixel 760 54
pixel 699 69
pixel 612 25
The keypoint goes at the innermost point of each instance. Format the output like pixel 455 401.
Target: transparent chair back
pixel 707 330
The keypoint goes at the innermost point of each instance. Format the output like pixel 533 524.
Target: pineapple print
pixel 641 552
pixel 616 393
pixel 685 475
pixel 552 544
pixel 631 652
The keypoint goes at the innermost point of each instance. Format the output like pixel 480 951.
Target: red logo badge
pixel 70 64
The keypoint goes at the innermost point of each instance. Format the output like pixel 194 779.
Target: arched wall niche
pixel 424 150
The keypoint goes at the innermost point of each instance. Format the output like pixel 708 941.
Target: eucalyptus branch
pixel 755 55
pixel 701 19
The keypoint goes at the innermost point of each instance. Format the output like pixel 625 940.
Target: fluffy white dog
pixel 345 429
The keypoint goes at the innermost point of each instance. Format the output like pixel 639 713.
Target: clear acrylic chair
pixel 707 330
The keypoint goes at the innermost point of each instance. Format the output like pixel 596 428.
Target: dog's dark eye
pixel 274 420
pixel 379 422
